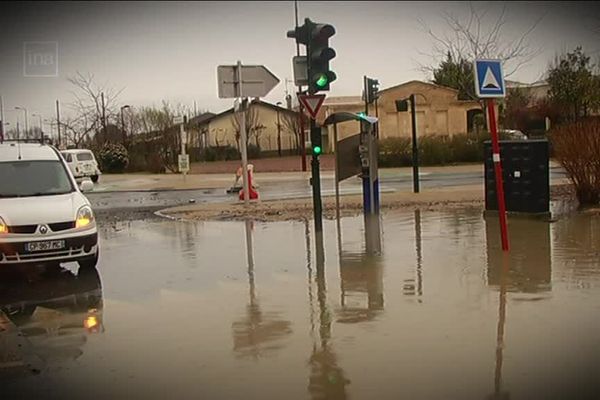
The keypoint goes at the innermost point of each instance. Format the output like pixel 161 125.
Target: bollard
pixel 251 190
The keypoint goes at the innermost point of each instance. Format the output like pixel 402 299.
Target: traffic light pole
pixel 316 182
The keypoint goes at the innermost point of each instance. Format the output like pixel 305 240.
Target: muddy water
pixel 234 310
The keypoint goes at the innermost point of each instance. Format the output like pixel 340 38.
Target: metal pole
pixel 377 116
pixel 2 121
pixel 372 169
pixel 300 110
pixel 302 137
pixel 498 171
pixel 58 122
pixel 104 115
pixel 182 137
pixel 316 182
pixel 41 129
pixel 415 148
pixel 278 135
pixel 26 123
pixel 365 85
pixel 243 135
pixel 26 119
pixel 123 126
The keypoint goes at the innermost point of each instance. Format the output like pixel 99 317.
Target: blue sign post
pixel 489 84
pixel 489 80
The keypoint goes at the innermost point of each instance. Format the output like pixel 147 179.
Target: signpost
pixel 243 81
pixel 489 84
pixel 183 159
pixel 256 81
pixel 184 164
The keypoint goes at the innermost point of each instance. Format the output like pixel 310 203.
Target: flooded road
pixel 242 310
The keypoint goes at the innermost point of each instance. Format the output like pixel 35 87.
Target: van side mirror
pixel 86 186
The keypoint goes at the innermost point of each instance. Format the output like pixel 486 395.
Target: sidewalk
pixel 157 182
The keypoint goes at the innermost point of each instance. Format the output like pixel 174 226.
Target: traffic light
pixel 319 54
pixel 372 90
pixel 316 141
pixel 302 33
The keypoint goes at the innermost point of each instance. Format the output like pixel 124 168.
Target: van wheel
pixel 88 264
pixel 95 178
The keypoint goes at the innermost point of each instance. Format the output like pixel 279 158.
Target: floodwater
pixel 242 310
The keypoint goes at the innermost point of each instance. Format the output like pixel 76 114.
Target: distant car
pixel 44 217
pixel 82 164
pixel 513 134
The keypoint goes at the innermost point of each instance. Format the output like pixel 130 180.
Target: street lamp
pixel 41 128
pixel 402 106
pixel 51 123
pixel 123 123
pixel 278 130
pixel 26 122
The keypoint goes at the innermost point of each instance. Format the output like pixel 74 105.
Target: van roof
pixel 9 151
pixel 76 151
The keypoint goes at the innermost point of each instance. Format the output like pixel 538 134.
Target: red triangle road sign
pixel 312 103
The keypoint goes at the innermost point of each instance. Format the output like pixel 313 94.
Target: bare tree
pixel 156 133
pixel 93 107
pixel 291 123
pixel 480 36
pixel 253 125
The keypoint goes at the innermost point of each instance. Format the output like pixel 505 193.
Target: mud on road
pixel 302 209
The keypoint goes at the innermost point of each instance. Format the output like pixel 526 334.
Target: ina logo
pixel 40 59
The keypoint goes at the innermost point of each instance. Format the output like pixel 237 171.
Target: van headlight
pixel 85 216
pixel 3 227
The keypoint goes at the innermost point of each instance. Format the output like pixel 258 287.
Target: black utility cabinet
pixel 526 175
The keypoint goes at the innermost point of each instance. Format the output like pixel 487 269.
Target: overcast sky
pixel 170 51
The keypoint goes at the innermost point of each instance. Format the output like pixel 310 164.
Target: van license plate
pixel 45 245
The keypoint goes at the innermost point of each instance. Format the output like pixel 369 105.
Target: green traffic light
pixel 317 150
pixel 322 81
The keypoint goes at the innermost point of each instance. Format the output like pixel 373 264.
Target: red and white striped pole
pixel 498 171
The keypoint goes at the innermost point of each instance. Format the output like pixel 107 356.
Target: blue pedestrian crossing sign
pixel 489 81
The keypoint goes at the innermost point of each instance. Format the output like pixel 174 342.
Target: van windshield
pixel 33 178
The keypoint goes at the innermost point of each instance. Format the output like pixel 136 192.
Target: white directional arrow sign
pixel 489 81
pixel 312 103
pixel 257 81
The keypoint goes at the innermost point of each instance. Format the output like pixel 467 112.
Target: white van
pixel 44 217
pixel 82 164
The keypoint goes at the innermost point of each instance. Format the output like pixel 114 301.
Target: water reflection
pixel 577 243
pixel 361 276
pixel 527 268
pixel 499 394
pixel 258 333
pixel 529 257
pixel 414 286
pixel 45 317
pixel 327 379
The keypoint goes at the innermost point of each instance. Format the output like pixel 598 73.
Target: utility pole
pixel 300 110
pixel 278 104
pixel 104 115
pixel 58 122
pixel 243 137
pixel 2 122
pixel 124 132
